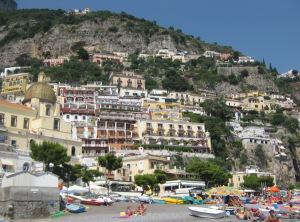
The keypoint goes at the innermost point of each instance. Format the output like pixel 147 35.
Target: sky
pixel 263 29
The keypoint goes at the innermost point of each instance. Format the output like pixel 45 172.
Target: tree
pixel 151 181
pixel 110 162
pixel 244 73
pixel 83 54
pixel 89 175
pixel 208 171
pixel 254 182
pixel 291 124
pixel 49 152
pixel 217 108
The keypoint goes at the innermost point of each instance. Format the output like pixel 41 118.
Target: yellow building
pixel 139 165
pixel 237 178
pixel 15 85
pixel 259 103
pixel 128 80
pixel 37 119
pixel 174 133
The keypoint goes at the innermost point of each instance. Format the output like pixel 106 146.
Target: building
pixel 186 98
pixel 211 54
pixel 14 86
pixel 55 61
pixel 13 70
pixel 238 177
pixel 37 191
pixel 245 59
pixel 165 53
pixel 128 80
pixel 259 103
pixel 100 58
pixel 135 93
pixel 37 119
pixel 118 128
pixel 254 135
pixel 141 164
pixel 174 133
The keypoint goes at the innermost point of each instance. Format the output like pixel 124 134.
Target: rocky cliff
pixel 8 5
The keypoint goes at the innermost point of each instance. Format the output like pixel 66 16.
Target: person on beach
pixel 273 217
pixel 129 212
pixel 141 210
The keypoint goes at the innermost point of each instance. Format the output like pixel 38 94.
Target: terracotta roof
pixel 17 106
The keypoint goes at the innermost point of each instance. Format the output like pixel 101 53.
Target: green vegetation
pixel 110 162
pixel 217 108
pixel 280 119
pixel 49 152
pixel 209 171
pixel 151 181
pixel 254 182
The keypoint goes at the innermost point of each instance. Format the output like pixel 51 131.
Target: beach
pixel 155 213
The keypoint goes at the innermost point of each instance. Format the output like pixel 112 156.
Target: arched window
pixel 48 108
pixel 73 152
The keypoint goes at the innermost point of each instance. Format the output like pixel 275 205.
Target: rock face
pixel 8 5
pixel 95 35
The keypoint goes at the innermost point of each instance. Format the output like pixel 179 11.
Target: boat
pixel 170 200
pixel 75 208
pixel 93 202
pixel 207 212
pixel 158 201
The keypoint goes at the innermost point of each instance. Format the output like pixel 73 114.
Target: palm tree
pixel 110 162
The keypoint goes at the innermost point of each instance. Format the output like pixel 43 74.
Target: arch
pixel 73 151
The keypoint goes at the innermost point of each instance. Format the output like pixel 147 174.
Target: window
pixel 14 143
pixel 73 152
pixel 56 124
pixel 68 116
pixel 83 117
pixel 26 123
pixel 2 116
pixel 48 108
pixel 76 117
pixel 13 121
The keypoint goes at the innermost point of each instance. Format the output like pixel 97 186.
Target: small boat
pixel 75 208
pixel 207 212
pixel 170 200
pixel 158 201
pixel 92 202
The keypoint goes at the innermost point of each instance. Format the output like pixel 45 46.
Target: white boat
pixel 207 212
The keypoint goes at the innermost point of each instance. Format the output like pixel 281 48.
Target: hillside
pixel 48 33
pixel 8 5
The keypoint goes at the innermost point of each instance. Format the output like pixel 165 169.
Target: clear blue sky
pixel 268 29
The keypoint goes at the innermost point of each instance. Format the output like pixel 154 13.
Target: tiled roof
pixel 14 106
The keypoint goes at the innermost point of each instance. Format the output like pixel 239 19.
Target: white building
pixel 128 92
pixel 245 59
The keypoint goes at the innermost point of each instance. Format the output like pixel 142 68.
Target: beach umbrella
pixel 273 189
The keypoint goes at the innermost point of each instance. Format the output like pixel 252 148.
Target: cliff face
pixel 8 5
pixel 94 35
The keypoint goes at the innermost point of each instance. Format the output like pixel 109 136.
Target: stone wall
pixel 226 71
pixel 29 202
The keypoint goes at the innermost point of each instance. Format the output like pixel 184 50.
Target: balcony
pixel 94 145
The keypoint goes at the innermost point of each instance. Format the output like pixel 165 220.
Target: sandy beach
pixel 155 213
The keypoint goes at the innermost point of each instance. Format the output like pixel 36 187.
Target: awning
pixel 197 184
pixel 170 184
pixel 7 162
